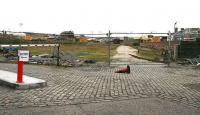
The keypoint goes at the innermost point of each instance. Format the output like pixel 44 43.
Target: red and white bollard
pixel 20 72
pixel 23 56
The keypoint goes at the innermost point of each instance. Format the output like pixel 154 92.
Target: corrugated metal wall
pixel 188 49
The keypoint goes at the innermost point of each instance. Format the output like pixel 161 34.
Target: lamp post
pixel 175 27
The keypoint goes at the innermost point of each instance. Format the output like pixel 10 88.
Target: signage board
pixel 23 55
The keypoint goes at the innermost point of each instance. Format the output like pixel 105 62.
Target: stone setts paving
pixel 101 84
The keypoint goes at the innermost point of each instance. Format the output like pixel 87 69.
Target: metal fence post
pixel 169 49
pixel 109 47
pixel 58 55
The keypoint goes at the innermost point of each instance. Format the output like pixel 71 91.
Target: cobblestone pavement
pixel 100 84
pixel 144 106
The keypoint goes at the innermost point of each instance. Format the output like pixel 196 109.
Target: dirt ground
pixel 124 55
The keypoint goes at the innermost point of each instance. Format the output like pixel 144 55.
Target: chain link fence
pixel 97 49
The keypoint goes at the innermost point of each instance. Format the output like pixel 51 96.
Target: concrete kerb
pixel 9 79
pixel 21 86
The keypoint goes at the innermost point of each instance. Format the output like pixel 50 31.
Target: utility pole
pixel 109 47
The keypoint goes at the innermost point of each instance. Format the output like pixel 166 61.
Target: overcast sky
pixel 95 16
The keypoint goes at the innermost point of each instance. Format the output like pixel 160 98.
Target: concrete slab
pixel 9 79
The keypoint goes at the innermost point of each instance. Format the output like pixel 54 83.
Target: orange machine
pixel 28 37
pixel 83 40
pixel 155 39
